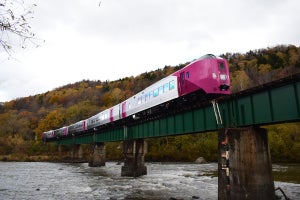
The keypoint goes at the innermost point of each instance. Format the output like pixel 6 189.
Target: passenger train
pixel 208 75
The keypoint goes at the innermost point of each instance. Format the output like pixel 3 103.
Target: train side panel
pixel 61 132
pixel 99 119
pixel 158 93
pixel 114 113
pixel 93 121
pixel 77 127
pixel 48 135
pixel 105 118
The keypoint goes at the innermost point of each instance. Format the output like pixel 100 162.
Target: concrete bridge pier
pixel 59 148
pixel 76 153
pixel 244 166
pixel 97 155
pixel 134 153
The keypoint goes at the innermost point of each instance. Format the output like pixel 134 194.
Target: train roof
pixel 207 56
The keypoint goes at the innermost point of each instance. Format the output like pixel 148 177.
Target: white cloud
pixel 128 37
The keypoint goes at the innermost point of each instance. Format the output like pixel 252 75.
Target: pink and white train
pixel 208 75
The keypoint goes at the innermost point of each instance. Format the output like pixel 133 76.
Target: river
pixel 44 180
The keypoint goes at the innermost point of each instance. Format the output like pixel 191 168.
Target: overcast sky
pixel 112 39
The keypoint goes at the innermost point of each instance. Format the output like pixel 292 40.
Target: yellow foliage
pixel 98 87
pixel 55 119
pixel 239 81
pixel 54 99
pixel 263 68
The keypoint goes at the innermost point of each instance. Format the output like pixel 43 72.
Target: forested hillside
pixel 24 119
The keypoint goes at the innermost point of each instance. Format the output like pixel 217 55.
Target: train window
pixel 139 100
pixel 160 90
pixel 187 74
pixel 166 87
pixel 143 98
pixel 221 66
pixel 172 85
pixel 155 92
pixel 146 97
pixel 151 95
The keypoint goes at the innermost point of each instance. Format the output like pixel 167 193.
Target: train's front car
pixel 208 75
pixel 212 75
pixel 220 76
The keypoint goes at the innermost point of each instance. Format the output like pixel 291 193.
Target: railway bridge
pixel 244 162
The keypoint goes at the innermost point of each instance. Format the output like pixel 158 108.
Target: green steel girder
pixel 271 103
pixel 275 105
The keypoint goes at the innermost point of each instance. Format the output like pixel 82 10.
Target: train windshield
pixel 207 56
pixel 221 66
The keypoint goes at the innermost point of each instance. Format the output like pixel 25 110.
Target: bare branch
pixel 14 17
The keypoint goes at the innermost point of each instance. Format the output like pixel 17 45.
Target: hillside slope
pixel 24 119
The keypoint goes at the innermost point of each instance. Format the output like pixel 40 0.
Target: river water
pixel 43 180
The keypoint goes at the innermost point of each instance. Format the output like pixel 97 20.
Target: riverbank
pixel 38 158
pixel 26 158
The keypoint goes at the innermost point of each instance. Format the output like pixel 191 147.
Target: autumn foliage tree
pixel 55 119
pixel 263 65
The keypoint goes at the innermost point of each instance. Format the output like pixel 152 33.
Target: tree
pixel 265 73
pixel 13 124
pixel 240 81
pixel 55 119
pixel 116 96
pixel 80 111
pixel 14 16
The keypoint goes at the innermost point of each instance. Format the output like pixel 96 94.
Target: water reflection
pixel 287 173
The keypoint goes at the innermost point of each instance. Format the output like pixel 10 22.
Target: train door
pixel 182 83
pixel 124 109
pixel 111 114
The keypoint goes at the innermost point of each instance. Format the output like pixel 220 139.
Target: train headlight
pixel 223 77
pixel 214 75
